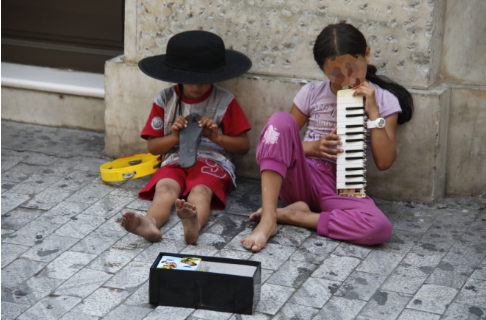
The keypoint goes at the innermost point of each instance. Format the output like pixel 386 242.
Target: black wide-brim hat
pixel 195 57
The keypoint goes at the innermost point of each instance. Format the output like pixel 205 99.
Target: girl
pixel 304 173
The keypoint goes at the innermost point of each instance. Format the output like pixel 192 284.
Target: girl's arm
pixel 383 141
pixel 239 144
pixel 160 145
pixel 322 148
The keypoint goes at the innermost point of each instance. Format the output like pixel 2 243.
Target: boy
pixel 193 60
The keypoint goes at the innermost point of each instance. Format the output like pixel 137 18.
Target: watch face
pixel 381 123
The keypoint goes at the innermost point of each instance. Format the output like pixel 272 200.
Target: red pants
pixel 205 172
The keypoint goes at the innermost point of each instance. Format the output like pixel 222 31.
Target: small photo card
pixel 177 263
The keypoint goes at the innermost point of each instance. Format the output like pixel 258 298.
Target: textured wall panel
pixel 279 35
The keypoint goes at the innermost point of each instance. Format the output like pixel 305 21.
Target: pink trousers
pixel 313 181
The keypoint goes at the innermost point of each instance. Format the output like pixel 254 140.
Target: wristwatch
pixel 378 123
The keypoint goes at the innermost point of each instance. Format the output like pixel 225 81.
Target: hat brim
pixel 235 65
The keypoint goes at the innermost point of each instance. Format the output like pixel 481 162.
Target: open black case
pixel 222 284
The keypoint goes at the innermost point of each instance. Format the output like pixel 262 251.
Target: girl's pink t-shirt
pixel 319 103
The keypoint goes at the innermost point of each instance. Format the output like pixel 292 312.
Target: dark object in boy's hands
pixel 189 141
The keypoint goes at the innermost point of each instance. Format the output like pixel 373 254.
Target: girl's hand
pixel 327 145
pixel 178 125
pixel 210 128
pixel 371 108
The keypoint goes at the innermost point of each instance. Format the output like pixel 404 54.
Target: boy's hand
pixel 178 125
pixel 210 128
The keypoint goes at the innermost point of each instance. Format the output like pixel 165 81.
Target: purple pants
pixel 313 181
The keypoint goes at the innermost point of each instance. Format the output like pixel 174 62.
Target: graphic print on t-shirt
pixel 157 123
pixel 321 122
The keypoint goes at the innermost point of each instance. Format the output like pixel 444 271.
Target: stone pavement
pixel 65 256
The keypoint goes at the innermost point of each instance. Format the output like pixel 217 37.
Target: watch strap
pixel 370 124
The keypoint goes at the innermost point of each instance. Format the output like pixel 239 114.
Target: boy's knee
pixel 200 191
pixel 165 189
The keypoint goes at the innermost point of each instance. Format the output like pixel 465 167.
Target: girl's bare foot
pixel 283 214
pixel 255 216
pixel 141 226
pixel 259 237
pixel 188 214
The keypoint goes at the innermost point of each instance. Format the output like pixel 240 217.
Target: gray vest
pixel 214 107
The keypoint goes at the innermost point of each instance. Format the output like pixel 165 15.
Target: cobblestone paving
pixel 65 256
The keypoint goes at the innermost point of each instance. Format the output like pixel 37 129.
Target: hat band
pixel 199 64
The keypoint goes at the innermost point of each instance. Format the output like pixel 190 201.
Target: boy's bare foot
pixel 141 226
pixel 188 214
pixel 259 237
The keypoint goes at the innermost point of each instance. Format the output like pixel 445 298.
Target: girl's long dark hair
pixel 342 38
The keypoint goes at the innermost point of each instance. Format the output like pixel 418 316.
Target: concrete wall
pixel 463 68
pixel 53 109
pixel 466 151
pixel 53 97
pixel 128 98
pixel 464 49
pixel 419 173
pixel 279 35
pixel 410 43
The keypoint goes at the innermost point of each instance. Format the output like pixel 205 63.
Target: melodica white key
pixel 351 164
